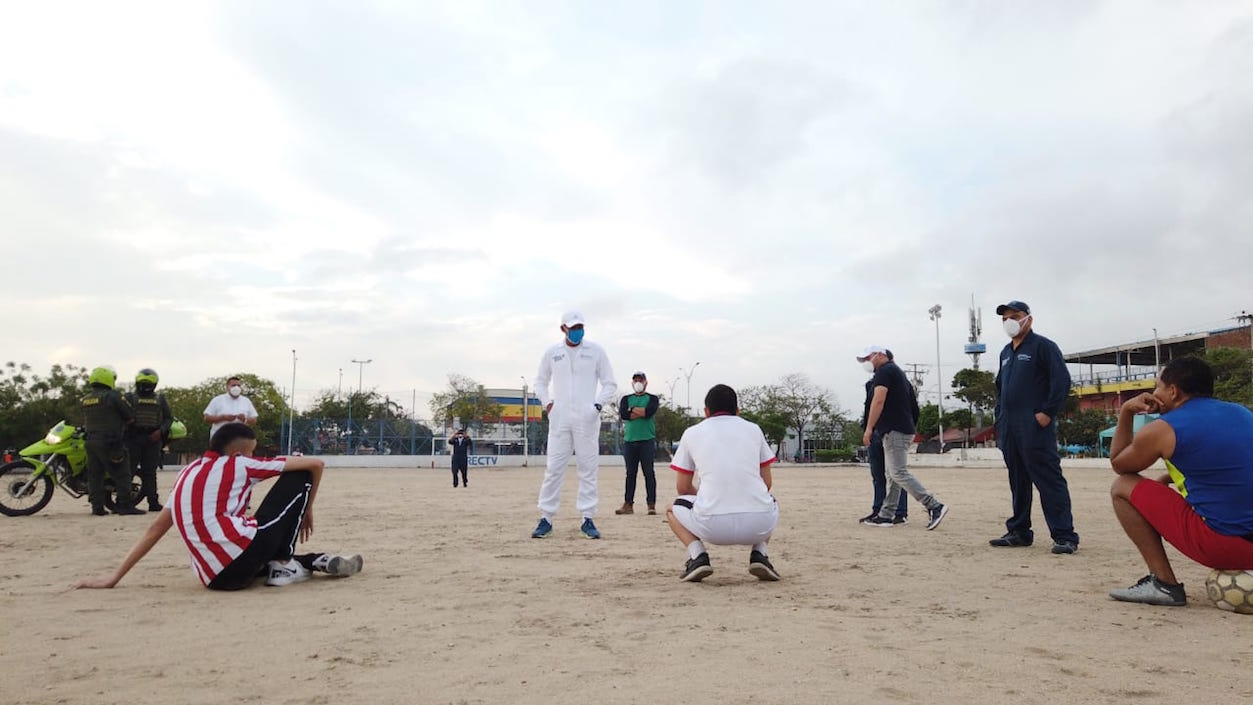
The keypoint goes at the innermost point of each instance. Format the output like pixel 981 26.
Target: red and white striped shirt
pixel 208 503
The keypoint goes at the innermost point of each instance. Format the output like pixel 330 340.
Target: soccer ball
pixel 1231 590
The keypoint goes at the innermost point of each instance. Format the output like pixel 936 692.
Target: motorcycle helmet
pixel 178 430
pixel 146 379
pixel 104 375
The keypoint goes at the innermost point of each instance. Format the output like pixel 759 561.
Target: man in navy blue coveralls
pixel 1032 385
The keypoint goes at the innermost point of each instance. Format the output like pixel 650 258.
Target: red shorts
pixel 1173 518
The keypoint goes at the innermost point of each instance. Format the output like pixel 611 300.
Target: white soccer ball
pixel 1231 590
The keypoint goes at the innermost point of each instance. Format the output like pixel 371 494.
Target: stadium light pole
pixel 671 384
pixel 291 407
pixel 526 449
pixel 939 375
pixel 688 374
pixel 360 370
pixel 360 366
pixel 339 391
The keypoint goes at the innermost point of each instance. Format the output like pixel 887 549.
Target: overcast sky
pixel 762 188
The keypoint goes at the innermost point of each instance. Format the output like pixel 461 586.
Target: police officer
pixel 146 437
pixel 105 417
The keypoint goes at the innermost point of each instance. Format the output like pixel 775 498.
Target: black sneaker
pixel 1065 547
pixel 1151 591
pixel 154 506
pixel 760 566
pixel 880 522
pixel 867 518
pixel 99 511
pixel 697 569
pixel 1010 539
pixel 125 510
pixel 900 520
pixel 936 515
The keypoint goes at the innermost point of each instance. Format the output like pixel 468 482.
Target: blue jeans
pixel 878 476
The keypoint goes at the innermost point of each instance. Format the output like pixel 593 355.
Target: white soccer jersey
pixel 726 453
pixel 208 502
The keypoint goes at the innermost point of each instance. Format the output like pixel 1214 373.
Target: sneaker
pixel 589 529
pixel 900 520
pixel 626 508
pixel 760 566
pixel 697 569
pixel 543 529
pixel 936 515
pixel 1151 591
pixel 338 566
pixel 866 519
pixel 1010 539
pixel 877 520
pixel 124 510
pixel 286 572
pixel 1065 547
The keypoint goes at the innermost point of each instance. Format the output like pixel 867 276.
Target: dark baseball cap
pixel 639 374
pixel 1013 306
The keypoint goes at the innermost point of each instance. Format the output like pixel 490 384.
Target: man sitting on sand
pixel 731 459
pixel 1208 448
pixel 228 549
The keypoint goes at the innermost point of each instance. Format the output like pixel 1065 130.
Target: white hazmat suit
pixel 573 422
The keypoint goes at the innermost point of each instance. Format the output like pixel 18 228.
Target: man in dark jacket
pixel 146 437
pixel 105 417
pixel 462 446
pixel 1031 387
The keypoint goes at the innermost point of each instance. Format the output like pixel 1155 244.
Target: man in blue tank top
pixel 1204 505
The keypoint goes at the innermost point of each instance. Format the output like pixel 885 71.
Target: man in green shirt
pixel 639 442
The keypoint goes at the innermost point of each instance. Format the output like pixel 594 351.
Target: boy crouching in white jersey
pixel 229 549
pixel 731 460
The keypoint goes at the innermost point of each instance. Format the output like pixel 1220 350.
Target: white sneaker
pixel 338 566
pixel 286 572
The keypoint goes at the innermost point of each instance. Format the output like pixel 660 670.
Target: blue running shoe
pixel 542 530
pixel 589 529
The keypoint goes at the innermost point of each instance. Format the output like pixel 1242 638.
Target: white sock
pixel 760 547
pixel 695 548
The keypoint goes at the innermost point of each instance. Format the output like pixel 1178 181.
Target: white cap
pixel 870 350
pixel 571 319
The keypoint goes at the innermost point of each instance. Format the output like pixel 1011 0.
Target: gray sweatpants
pixel 896 462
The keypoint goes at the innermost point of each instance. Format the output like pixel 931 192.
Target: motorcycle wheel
pixel 15 502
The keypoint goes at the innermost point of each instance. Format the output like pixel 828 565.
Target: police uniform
pixel 152 413
pixel 105 417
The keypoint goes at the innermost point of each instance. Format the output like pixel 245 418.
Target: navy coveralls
pixel 1033 378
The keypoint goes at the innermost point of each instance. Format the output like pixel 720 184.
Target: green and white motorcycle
pixel 59 460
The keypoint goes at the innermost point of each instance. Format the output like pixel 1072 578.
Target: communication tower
pixel 974 348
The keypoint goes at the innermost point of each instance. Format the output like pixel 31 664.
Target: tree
pixel 670 425
pixel 977 388
pixel 960 418
pixel 1082 427
pixel 773 426
pixel 795 398
pixel 928 420
pixel 466 400
pixel 1233 368
pixel 31 404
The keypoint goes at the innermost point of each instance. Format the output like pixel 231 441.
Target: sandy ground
pixel 458 605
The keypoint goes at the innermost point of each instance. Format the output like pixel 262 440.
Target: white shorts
pixel 744 529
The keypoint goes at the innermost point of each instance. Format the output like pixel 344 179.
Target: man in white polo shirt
pixel 230 407
pixel 731 459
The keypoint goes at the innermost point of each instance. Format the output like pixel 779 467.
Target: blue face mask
pixel 575 335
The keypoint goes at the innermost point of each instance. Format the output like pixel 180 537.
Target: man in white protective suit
pixel 575 367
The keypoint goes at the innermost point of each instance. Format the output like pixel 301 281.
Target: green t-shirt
pixel 641 429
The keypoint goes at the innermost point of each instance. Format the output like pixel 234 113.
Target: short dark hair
pixel 233 378
pixel 721 399
pixel 891 357
pixel 230 433
pixel 1192 375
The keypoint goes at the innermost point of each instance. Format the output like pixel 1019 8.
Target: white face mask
pixel 638 387
pixel 1013 326
pixel 236 390
pixel 868 366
